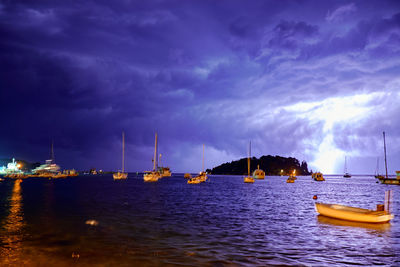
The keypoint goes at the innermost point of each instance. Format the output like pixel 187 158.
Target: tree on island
pixel 272 165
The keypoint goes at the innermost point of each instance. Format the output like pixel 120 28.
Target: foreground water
pixel 93 220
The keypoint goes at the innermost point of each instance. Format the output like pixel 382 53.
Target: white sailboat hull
pixel 201 178
pixel 120 175
pixel 151 176
pixel 248 179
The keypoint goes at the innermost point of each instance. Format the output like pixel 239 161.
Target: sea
pixel 92 220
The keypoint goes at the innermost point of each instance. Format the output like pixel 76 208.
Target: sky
pixel 314 80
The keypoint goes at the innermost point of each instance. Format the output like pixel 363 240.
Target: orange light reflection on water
pixel 11 230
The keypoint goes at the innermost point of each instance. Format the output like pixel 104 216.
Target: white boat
pixel 258 173
pixel 289 180
pixel 317 176
pixel 346 174
pixel 193 181
pixel 202 177
pixel 154 175
pixel 123 174
pixel 164 171
pixel 248 178
pixel 353 214
pixel 380 215
pixel 48 169
pixel 292 177
pixel 151 176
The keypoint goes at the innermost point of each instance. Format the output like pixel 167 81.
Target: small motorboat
pixel 292 177
pixel 258 173
pixel 290 180
pixel 318 177
pixel 353 214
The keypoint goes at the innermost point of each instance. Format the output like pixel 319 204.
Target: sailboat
pixel 259 174
pixel 50 168
pixel 386 179
pixel 346 174
pixel 202 177
pixel 164 171
pixel 154 175
pixel 123 174
pixel 248 178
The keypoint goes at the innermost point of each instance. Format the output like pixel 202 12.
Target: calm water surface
pixel 223 222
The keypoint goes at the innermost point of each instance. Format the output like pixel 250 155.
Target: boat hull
pixel 390 181
pixel 166 173
pixel 248 179
pixel 120 175
pixel 318 177
pixel 352 214
pixel 201 178
pixel 259 174
pixel 151 177
pixel 57 176
pixel 193 181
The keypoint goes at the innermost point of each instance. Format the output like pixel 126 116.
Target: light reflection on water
pixel 222 222
pixel 379 227
pixel 11 228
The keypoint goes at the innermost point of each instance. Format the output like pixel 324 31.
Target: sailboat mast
pixel 155 164
pixel 248 160
pixel 384 147
pixel 345 164
pixel 123 151
pixel 52 150
pixel 203 157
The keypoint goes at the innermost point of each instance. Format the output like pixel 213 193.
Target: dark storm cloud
pixel 218 73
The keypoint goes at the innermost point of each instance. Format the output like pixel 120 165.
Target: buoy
pixel 315 197
pixel 92 222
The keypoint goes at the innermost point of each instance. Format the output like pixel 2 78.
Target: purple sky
pixel 315 80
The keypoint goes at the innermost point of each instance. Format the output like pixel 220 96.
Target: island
pixel 272 165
